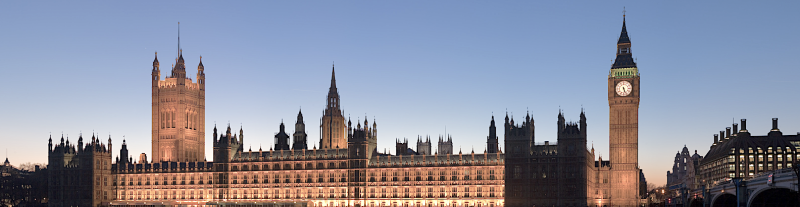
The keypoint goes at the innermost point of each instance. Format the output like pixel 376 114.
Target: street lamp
pixel 796 169
pixel 738 181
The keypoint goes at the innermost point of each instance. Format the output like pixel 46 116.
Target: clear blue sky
pixel 417 67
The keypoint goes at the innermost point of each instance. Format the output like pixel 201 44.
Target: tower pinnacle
pixel 624 57
pixel 333 78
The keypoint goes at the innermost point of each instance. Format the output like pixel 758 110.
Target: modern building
pixel 736 153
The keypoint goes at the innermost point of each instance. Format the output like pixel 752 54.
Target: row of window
pixel 297 166
pixel 313 193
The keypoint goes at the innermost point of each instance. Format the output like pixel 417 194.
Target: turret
pixel 228 134
pixel 80 142
pixel 215 134
pixel 374 129
pixel 282 139
pixel 299 137
pixel 507 123
pixel 179 71
pixel 561 122
pixel 123 153
pixel 201 75
pixel 492 140
pixel 241 138
pixel 583 124
pixel 50 143
pixel 156 73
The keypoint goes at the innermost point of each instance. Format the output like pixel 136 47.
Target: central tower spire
pixel 333 130
pixel 333 79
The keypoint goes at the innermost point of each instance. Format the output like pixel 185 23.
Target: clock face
pixel 624 88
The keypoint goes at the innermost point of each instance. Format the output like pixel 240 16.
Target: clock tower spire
pixel 623 134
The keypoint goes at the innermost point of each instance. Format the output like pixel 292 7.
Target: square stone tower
pixel 623 103
pixel 178 114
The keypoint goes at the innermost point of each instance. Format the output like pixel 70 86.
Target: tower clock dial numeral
pixel 624 88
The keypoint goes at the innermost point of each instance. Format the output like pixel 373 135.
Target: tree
pixel 31 167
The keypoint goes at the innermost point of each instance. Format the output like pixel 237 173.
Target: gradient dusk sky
pixel 418 68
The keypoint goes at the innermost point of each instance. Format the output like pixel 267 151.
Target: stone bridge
pixel 776 188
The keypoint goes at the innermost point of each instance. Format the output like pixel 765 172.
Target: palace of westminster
pixel 347 170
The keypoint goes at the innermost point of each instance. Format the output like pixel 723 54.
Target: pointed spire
pixel 624 57
pixel 623 36
pixel 333 78
pixel 200 66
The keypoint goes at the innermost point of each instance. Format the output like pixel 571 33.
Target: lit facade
pixel 350 175
pixel 178 114
pixel 736 153
pixel 347 170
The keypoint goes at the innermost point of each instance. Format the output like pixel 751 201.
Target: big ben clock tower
pixel 623 133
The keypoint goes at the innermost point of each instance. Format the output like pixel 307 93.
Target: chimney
pixel 716 139
pixel 744 125
pixel 721 136
pixel 546 143
pixel 735 128
pixel 727 132
pixel 775 124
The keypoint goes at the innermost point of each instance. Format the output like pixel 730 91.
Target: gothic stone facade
pixel 347 170
pixel 318 177
pixel 80 175
pixel 566 174
pixel 178 114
